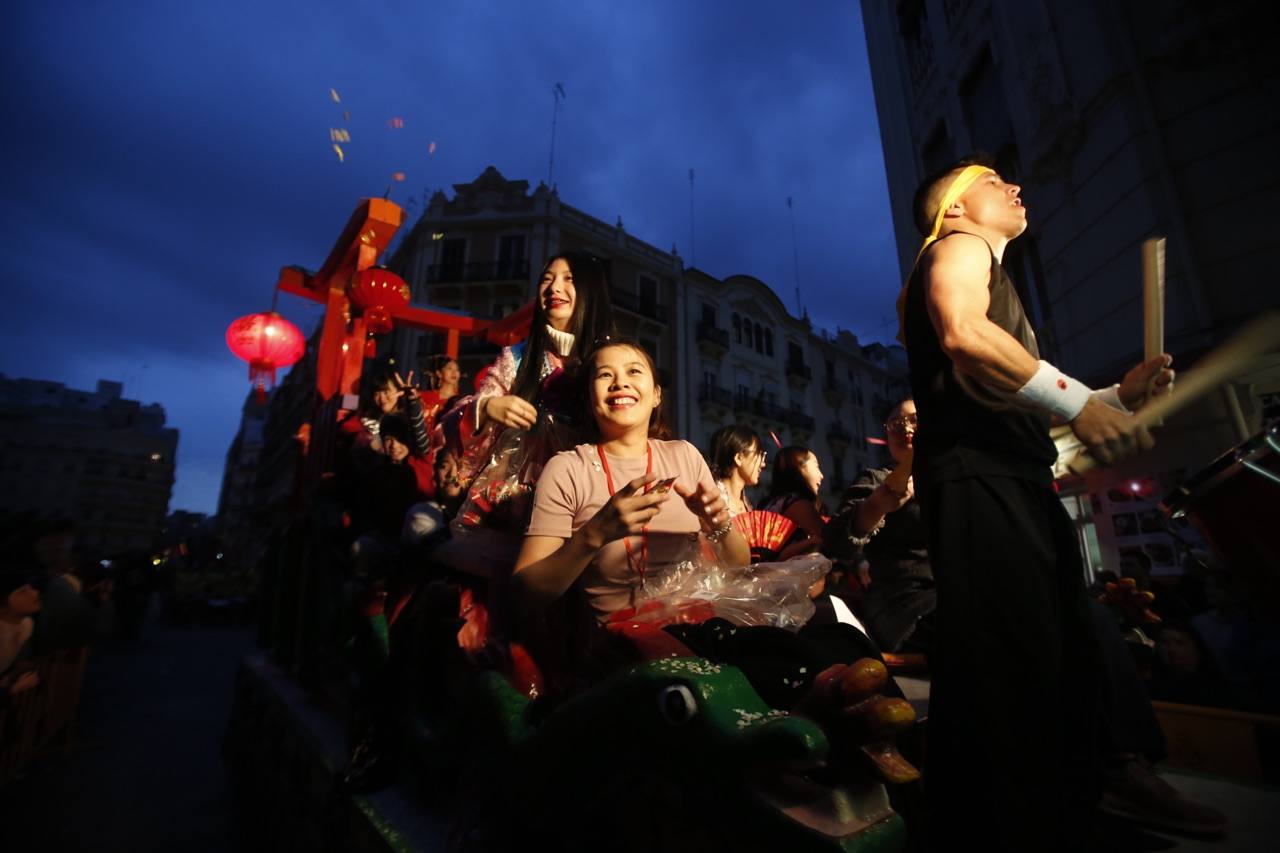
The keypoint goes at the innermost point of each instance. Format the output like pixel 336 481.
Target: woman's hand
pixel 896 500
pixel 403 385
pixel 626 513
pixel 509 410
pixel 707 504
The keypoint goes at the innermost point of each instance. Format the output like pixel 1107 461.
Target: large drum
pixel 1233 502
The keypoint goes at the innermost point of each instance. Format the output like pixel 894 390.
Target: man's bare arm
pixel 956 273
pixel 956 295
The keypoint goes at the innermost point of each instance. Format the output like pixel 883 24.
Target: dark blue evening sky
pixel 163 160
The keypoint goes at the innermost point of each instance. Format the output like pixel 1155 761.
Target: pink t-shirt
pixel 573 488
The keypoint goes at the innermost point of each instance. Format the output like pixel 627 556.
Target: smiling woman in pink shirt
pixel 621 510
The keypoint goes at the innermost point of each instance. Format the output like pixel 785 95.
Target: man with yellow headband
pixel 1014 670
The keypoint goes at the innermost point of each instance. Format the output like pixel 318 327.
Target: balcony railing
pixel 478 271
pixel 644 307
pixel 710 333
pixel 708 393
pixel 799 370
pixel 761 408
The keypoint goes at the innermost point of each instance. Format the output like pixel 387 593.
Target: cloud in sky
pixel 165 160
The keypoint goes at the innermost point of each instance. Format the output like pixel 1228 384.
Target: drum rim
pixel 1179 501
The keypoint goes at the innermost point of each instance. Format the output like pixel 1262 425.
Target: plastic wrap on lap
pixel 693 591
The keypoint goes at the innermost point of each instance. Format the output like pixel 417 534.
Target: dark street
pixel 145 771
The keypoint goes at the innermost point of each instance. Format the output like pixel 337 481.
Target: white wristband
pixel 1055 391
pixel 1111 396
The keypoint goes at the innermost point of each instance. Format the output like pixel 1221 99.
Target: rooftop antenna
pixel 795 256
pixel 693 246
pixel 557 95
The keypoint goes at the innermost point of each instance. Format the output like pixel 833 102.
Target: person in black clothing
pixel 879 521
pixel 879 515
pixel 1010 584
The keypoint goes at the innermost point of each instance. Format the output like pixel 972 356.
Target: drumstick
pixel 1153 297
pixel 1153 301
pixel 1232 358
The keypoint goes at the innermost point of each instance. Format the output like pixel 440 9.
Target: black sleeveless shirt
pixel 967 429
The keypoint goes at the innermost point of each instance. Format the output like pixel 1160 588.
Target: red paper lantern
pixel 377 292
pixel 267 341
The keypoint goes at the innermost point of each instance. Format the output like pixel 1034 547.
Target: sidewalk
pixel 145 772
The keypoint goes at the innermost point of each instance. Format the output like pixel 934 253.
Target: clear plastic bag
pixel 774 594
pixel 501 494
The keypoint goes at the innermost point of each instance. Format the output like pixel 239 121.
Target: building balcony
pixel 714 395
pixel 647 308
pixel 761 408
pixel 479 271
pixel 798 373
pixel 833 390
pixel 712 340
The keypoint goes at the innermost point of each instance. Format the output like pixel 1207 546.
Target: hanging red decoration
pixel 377 292
pixel 267 341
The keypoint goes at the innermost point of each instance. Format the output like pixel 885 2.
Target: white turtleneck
pixel 561 342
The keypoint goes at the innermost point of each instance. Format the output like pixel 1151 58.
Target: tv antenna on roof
pixel 557 95
pixel 795 255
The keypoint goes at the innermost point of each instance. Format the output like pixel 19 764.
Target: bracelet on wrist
pixel 719 533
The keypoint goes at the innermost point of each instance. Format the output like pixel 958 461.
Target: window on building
pixel 453 257
pixel 708 379
pixel 768 341
pixel 985 109
pixel 737 329
pixel 759 338
pixel 744 393
pixel 708 314
pixel 648 295
pixel 795 355
pixel 511 256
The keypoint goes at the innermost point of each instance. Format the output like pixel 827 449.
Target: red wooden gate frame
pixel 341 356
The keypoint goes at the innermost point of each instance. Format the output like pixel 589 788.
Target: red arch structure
pixel 366 236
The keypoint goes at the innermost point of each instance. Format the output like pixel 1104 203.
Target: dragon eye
pixel 677 704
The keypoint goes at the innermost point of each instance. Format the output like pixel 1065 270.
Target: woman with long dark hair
pixel 532 384
pixel 793 492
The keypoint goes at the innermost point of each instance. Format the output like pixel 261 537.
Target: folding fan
pixel 766 532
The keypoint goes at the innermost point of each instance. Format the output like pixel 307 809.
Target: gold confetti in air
pixel 437 235
pixel 431 149
pixel 346 116
pixel 333 93
pixel 338 149
pixel 337 134
pixel 395 123
pixel 397 176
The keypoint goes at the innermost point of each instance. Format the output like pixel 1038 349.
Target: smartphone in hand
pixel 664 486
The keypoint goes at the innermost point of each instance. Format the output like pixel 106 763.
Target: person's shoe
pixel 1134 791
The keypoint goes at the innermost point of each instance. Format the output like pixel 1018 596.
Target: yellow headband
pixel 967 177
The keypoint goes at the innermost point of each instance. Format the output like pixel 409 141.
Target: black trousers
pixel 1012 742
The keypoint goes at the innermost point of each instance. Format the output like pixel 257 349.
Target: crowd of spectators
pixel 429 468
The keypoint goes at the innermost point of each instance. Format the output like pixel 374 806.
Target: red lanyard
pixel 641 566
